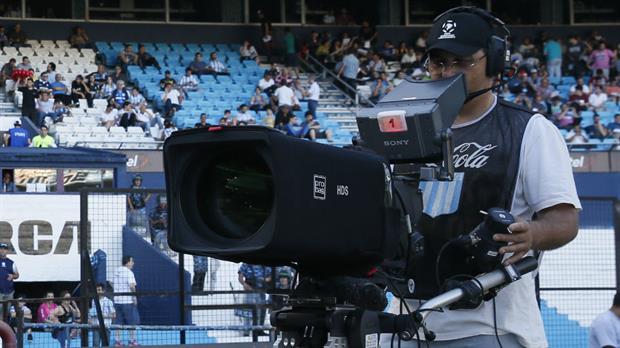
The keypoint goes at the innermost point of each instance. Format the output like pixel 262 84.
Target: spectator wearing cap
pixel 17 136
pixel 8 273
pixel 43 139
pixel 79 90
pixel 198 65
pixel 8 185
pixel 167 79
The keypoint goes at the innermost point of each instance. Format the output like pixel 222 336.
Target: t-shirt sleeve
pixel 604 333
pixel 546 167
pixel 132 278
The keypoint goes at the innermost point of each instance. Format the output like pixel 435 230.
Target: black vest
pixel 487 153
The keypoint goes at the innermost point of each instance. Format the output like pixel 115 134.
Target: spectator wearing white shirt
pixel 258 101
pixel 267 84
pixel 215 66
pixel 109 116
pixel 148 118
pixel 171 99
pixel 169 128
pixel 45 108
pixel 597 99
pixel 408 59
pixel 577 136
pixel 284 95
pixel 126 307
pixel 107 310
pixel 313 94
pixel 188 82
pixel 248 52
pixel 244 116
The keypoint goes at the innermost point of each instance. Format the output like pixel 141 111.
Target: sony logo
pixel 403 142
pixel 36 237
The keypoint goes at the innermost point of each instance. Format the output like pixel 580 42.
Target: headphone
pixel 498 54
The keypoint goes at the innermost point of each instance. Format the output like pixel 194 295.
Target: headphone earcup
pixel 496 56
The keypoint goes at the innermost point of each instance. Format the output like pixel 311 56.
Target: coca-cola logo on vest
pixel 471 155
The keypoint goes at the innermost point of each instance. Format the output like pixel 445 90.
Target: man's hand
pixel 9 277
pixel 521 240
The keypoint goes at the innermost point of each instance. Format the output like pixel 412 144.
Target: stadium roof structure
pixel 75 157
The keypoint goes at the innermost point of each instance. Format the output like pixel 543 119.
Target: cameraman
pixel 510 158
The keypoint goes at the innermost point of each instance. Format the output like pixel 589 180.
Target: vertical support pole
pixel 182 296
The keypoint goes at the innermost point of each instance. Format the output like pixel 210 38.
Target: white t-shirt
pixel 45 106
pixel 545 179
pixel 263 84
pixel 314 92
pixel 597 100
pixel 143 116
pixel 285 96
pixel 173 96
pixel 109 116
pixel 585 89
pixel 245 117
pixel 122 281
pixel 605 330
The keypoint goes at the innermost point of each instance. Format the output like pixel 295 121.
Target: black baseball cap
pixel 4 246
pixel 459 33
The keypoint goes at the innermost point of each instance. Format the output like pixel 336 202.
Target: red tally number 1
pixel 392 121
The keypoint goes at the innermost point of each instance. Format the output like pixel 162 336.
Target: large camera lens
pixel 236 196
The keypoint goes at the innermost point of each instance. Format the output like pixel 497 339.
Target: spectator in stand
pixel 408 59
pixel 256 279
pixel 614 127
pixel 18 37
pixel 25 64
pixel 597 129
pixel 146 59
pixel 108 88
pixel 367 35
pixel 107 311
pixel 60 90
pixel 26 314
pixel 313 94
pixel 29 107
pixel 42 82
pixel 45 108
pixel 93 87
pixel 17 136
pixel 201 267
pixel 599 79
pixel 79 39
pixel 565 118
pixel 119 74
pixel 298 90
pixel 258 101
pixel 576 136
pixel 198 65
pixel 348 71
pixel 545 89
pixel 540 105
pixel 290 52
pixel 575 52
pixel 167 79
pixel 579 98
pixel 215 66
pixel 126 307
pixel 522 85
pixel 67 313
pixel 127 57
pixel 315 131
pixel 46 308
pixel 376 66
pixel 109 116
pixel 284 77
pixel 101 75
pixel 527 49
pixel 136 98
pixel 8 185
pixel 401 50
pixel 43 139
pixel 203 122
pixel 553 53
pixel 4 39
pixel 284 95
pixel 601 58
pixel 380 87
pixel 597 99
pixel 388 51
pixel 267 84
pixel 146 119
pixel 283 116
pixel 344 18
pixel 79 90
pixel 51 71
pixel 244 116
pixel 248 52
pixel 584 88
pixel 269 120
pixel 119 95
pixel 296 129
pixel 127 116
pixel 7 70
pixel 228 117
pixel 420 43
pixel 159 226
pixel 171 98
pixel 188 82
pixel 169 128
